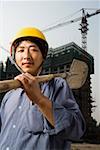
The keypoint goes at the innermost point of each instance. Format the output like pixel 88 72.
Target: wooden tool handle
pixel 7 85
pixel 76 77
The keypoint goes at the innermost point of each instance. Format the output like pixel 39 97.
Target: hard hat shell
pixel 35 35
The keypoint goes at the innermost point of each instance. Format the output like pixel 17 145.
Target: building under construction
pixel 59 60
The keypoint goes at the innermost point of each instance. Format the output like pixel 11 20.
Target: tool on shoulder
pixel 76 77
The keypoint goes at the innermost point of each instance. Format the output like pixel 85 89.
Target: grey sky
pixel 17 14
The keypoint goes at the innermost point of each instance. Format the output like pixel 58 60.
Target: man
pixel 38 116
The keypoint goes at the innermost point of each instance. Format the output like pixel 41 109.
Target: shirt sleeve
pixel 0 123
pixel 2 113
pixel 68 119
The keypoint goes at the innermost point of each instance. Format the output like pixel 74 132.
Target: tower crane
pixel 83 24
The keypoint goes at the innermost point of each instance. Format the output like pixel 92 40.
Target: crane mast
pixel 84 29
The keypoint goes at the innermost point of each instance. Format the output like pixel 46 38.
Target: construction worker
pixel 38 116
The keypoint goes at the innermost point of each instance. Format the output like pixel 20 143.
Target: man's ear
pixel 42 61
pixel 40 67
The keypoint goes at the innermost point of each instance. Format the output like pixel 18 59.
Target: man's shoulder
pixel 12 93
pixel 58 82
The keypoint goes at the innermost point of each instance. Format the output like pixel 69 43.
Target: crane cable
pixel 61 20
pixel 70 21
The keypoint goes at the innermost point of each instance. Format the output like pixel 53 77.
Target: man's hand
pixel 31 87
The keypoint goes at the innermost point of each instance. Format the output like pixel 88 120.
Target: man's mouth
pixel 27 63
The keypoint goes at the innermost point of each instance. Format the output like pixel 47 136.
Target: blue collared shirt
pixel 23 126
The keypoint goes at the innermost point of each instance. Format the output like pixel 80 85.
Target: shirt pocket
pixel 34 121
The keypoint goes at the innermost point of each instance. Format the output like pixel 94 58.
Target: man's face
pixel 28 57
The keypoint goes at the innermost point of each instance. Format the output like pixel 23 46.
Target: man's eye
pixel 20 50
pixel 33 49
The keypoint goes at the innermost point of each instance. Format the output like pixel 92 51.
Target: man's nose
pixel 27 54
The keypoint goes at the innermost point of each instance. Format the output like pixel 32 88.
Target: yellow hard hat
pixel 35 35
